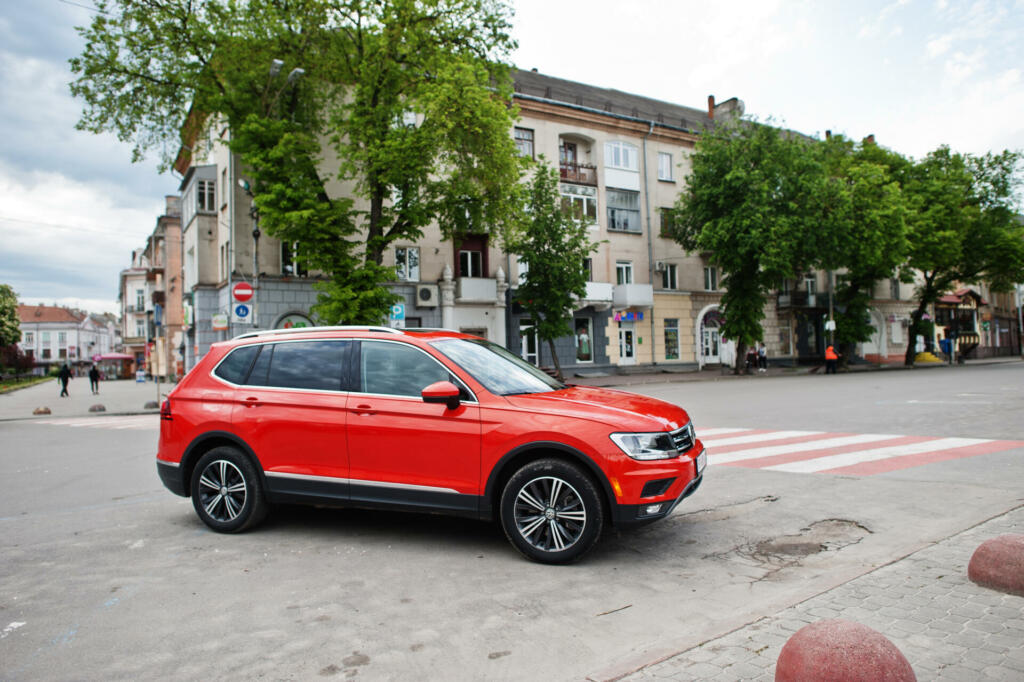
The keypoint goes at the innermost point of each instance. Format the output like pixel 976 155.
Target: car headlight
pixel 645 446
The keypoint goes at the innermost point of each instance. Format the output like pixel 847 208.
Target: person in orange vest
pixel 831 358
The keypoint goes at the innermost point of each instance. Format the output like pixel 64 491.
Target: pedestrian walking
pixel 762 357
pixel 831 359
pixel 94 380
pixel 64 376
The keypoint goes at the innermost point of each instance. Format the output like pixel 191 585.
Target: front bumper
pixel 633 515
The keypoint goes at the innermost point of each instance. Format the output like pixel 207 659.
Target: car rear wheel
pixel 551 511
pixel 226 491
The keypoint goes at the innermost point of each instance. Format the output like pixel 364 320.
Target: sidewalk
pixel 119 397
pixel 725 374
pixel 947 627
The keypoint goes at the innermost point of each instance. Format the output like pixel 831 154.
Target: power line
pixel 91 9
pixel 76 228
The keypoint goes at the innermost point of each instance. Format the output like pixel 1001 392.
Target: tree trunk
pixel 554 358
pixel 915 325
pixel 741 358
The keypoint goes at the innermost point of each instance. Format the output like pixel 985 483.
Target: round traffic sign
pixel 242 291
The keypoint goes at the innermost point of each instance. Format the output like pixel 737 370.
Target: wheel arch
pixel 208 441
pixel 529 452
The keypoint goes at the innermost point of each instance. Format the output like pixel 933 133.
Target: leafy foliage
pixel 10 324
pixel 553 245
pixel 754 202
pixel 155 73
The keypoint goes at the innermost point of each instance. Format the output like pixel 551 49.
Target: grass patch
pixel 8 385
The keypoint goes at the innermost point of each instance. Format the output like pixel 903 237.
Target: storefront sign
pixel 219 322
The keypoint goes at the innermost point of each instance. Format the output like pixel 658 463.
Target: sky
pixel 915 73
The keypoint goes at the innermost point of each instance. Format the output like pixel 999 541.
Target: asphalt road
pixel 107 575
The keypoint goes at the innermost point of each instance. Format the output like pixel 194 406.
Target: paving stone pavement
pixel 948 628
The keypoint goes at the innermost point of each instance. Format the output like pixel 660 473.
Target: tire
pixel 227 492
pixel 551 511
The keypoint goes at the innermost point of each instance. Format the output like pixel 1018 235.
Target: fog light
pixel 652 509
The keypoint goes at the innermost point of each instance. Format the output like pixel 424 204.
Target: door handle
pixel 252 401
pixel 364 410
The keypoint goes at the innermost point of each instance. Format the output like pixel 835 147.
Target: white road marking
pixel 850 458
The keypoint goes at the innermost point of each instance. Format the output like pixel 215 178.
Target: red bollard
pixel 999 564
pixel 841 651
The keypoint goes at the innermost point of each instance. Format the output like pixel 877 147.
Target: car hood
pixel 618 409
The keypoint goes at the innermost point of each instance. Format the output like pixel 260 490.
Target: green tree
pixel 961 226
pixel 154 73
pixel 866 217
pixel 10 324
pixel 754 201
pixel 553 245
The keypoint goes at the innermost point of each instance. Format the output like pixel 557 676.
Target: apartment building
pixel 150 293
pixel 54 335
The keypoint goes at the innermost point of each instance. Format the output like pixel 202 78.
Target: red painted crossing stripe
pixel 804 455
pixel 724 449
pixel 909 461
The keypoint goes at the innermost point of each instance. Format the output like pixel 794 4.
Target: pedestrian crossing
pixel 133 422
pixel 857 454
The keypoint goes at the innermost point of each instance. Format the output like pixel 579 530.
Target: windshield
pixel 498 370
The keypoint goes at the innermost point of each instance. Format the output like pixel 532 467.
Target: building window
pixel 671 338
pixel 894 289
pixel 524 142
pixel 46 354
pixel 584 339
pixel 62 339
pixel 63 352
pixel 290 265
pixel 580 203
pixel 621 155
pixel 811 283
pixel 667 223
pixel 30 339
pixel 471 264
pixel 140 327
pixel 623 272
pixel 140 299
pixel 668 276
pixel 224 187
pixel 205 195
pixel 524 268
pixel 664 166
pixel 407 263
pixel 623 210
pixel 710 279
pixel 46 339
pixel 588 269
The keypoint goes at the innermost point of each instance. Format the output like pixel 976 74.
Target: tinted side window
pixel 308 364
pixel 236 365
pixel 261 368
pixel 397 369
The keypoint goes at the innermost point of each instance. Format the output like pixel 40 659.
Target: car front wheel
pixel 226 491
pixel 551 511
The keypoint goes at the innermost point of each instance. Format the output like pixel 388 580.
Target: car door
pixel 403 450
pixel 291 412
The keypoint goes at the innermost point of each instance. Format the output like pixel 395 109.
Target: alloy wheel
pixel 222 490
pixel 549 514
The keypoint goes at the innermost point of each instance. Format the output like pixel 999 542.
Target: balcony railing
pixel 477 289
pixel 802 299
pixel 578 173
pixel 633 296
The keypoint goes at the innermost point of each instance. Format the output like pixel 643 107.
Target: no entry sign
pixel 242 292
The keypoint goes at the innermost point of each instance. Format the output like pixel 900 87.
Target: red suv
pixel 420 419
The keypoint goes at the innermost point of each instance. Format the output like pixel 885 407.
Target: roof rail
pixel 296 330
pixel 430 329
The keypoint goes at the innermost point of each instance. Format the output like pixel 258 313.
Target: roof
pixel 957 297
pixel 48 313
pixel 535 85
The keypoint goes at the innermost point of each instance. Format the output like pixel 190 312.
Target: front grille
pixel 684 438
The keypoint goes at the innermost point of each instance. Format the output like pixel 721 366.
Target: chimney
pixel 870 139
pixel 711 106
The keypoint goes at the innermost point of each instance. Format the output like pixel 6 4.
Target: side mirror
pixel 442 392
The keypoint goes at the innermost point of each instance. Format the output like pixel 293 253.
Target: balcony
pixel 599 295
pixel 578 173
pixel 802 299
pixel 633 296
pixel 477 290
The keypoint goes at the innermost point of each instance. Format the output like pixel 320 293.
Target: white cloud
pixel 960 66
pixel 937 47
